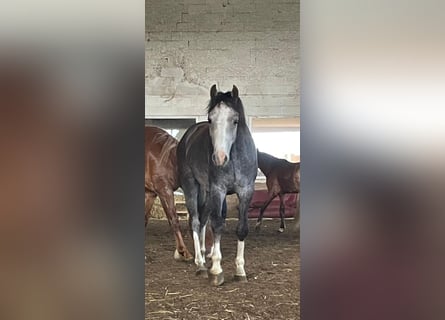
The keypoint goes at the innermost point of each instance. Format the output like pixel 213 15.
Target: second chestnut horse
pixel 282 177
pixel 161 179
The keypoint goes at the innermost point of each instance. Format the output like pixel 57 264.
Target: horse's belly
pixel 288 186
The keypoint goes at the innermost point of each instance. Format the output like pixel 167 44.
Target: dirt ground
pixel 173 291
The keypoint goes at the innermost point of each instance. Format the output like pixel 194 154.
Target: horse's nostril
pixel 219 158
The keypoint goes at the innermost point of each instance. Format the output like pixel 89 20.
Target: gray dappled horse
pixel 216 158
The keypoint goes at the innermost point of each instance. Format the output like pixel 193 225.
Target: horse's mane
pixel 234 103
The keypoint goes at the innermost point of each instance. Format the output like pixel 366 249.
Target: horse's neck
pixel 243 136
pixel 242 133
pixel 265 165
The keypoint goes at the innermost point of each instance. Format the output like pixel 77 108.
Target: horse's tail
pixel 297 176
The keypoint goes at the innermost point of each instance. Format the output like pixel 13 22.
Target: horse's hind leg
pixel 224 210
pixel 149 201
pixel 167 201
pixel 206 238
pixel 297 213
pixel 282 226
pixel 191 190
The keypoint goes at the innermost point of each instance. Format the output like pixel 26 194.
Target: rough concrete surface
pixel 192 44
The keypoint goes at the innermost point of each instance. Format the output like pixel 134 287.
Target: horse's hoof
pixel 238 278
pixel 185 256
pixel 281 230
pixel 177 256
pixel 258 226
pixel 216 279
pixel 202 272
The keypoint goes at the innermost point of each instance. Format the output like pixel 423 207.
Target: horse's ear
pixel 234 92
pixel 213 91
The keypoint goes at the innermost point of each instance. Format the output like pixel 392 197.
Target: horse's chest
pixel 224 176
pixel 234 176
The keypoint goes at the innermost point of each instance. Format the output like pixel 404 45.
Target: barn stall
pixel 191 45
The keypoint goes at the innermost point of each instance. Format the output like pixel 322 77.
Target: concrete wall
pixel 192 44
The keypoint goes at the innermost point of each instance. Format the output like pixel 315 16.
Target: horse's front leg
pixel 217 222
pixel 263 208
pixel 199 258
pixel 191 190
pixel 206 238
pixel 241 231
pixel 168 203
pixel 208 242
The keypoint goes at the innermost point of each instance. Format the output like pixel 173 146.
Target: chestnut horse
pixel 282 177
pixel 161 179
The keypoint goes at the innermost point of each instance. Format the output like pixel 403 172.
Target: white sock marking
pixel 239 261
pixel 199 261
pixel 176 255
pixel 216 259
pixel 203 241
pixel 211 252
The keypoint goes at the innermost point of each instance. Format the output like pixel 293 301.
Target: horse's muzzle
pixel 219 158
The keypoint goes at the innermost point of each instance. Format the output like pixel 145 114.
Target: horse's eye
pixel 209 120
pixel 235 122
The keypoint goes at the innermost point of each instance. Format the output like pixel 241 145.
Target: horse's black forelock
pixel 234 103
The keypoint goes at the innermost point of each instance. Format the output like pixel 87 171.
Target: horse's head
pixel 225 113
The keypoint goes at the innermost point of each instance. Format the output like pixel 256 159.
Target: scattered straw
pixel 161 311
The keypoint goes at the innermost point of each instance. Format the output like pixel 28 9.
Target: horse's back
pixel 156 138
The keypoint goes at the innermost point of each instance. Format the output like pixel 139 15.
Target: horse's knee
pixel 242 231
pixel 173 217
pixel 195 224
pixel 224 209
pixel 175 225
pixel 217 226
